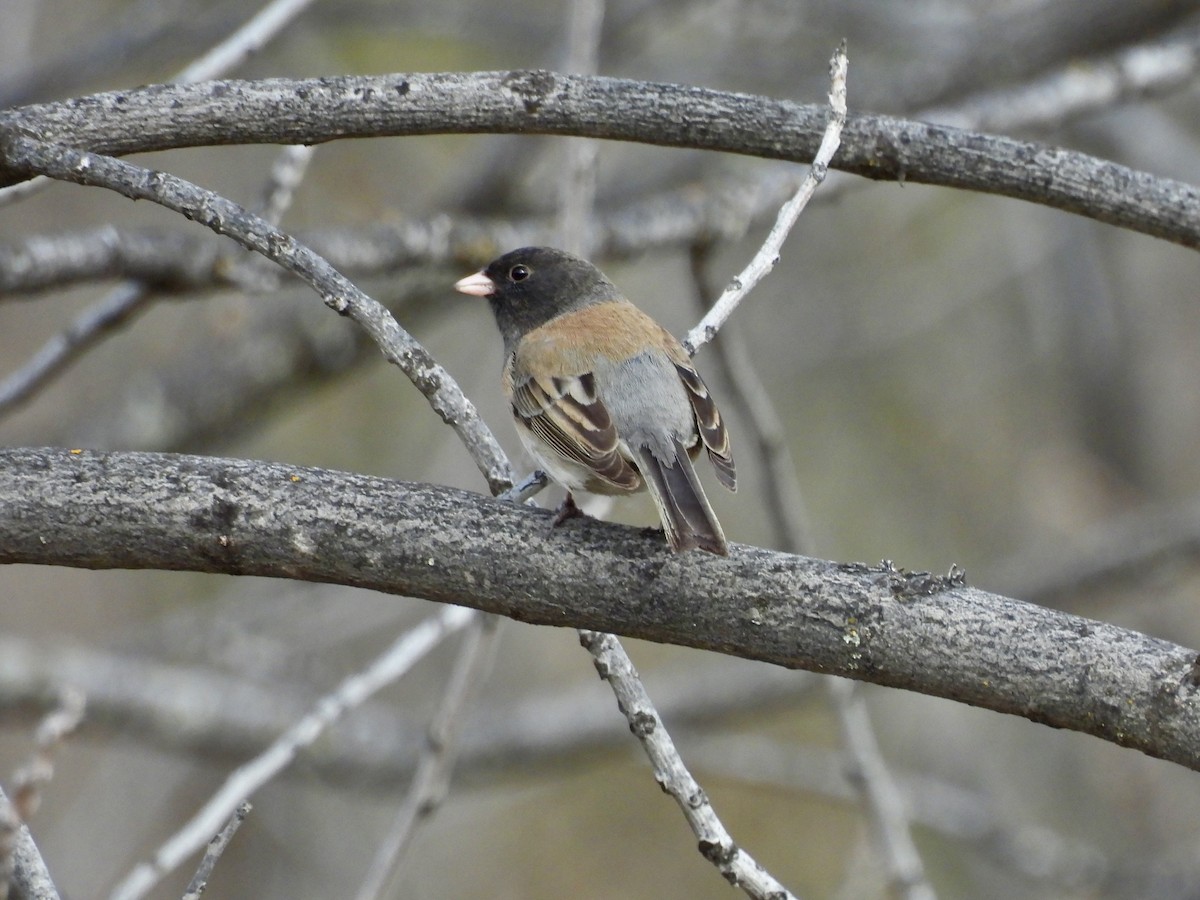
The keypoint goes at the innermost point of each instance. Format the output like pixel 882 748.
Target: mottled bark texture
pixel 881 624
pixel 285 111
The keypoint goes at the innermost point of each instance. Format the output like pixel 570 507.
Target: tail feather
pixel 687 518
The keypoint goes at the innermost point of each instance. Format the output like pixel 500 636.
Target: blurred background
pixel 959 379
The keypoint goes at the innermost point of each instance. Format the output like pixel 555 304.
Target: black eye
pixel 518 273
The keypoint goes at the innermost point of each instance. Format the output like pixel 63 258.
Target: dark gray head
pixel 529 287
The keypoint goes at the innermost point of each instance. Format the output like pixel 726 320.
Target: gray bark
pixel 925 633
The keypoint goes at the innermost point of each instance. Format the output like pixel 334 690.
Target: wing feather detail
pixel 568 415
pixel 711 426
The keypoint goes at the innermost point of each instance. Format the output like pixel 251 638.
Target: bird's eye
pixel 518 273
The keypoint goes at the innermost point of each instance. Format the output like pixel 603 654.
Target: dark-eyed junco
pixel 604 397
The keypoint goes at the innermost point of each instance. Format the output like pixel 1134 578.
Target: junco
pixel 604 397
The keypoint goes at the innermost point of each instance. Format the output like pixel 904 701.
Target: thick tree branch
pixel 311 111
pixel 914 631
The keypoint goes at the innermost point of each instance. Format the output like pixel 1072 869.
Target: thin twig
pixel 784 499
pixel 768 255
pixel 130 298
pixel 577 186
pixel 231 52
pixel 432 777
pixel 57 354
pixel 287 172
pixel 886 809
pixel 339 293
pixel 29 780
pixel 245 780
pixel 216 847
pixel 781 494
pixel 260 29
pixel 1082 86
pixel 716 844
pixel 20 861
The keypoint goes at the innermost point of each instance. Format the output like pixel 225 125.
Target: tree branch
pixel 310 111
pixel 714 841
pixel 396 661
pixel 339 293
pixel 27 875
pixel 184 259
pixel 197 711
pixel 768 254
pixel 879 624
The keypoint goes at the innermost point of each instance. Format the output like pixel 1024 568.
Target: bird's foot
pixel 567 510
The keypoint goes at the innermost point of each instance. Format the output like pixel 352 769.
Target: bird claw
pixel 567 510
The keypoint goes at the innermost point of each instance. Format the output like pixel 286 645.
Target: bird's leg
pixel 566 510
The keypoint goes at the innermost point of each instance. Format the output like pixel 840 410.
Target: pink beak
pixel 477 285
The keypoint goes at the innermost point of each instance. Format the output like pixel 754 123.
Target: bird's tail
pixel 687 518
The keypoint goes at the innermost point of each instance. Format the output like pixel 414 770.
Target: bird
pixel 604 398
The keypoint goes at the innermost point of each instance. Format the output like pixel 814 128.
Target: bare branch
pixel 26 870
pixel 316 110
pixel 886 807
pixel 901 629
pixel 261 28
pixel 170 260
pixel 768 254
pixel 191 710
pixel 716 844
pixel 393 663
pixel 212 854
pixel 181 260
pixel 338 292
pixel 88 328
pixel 1151 68
pixel 432 777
